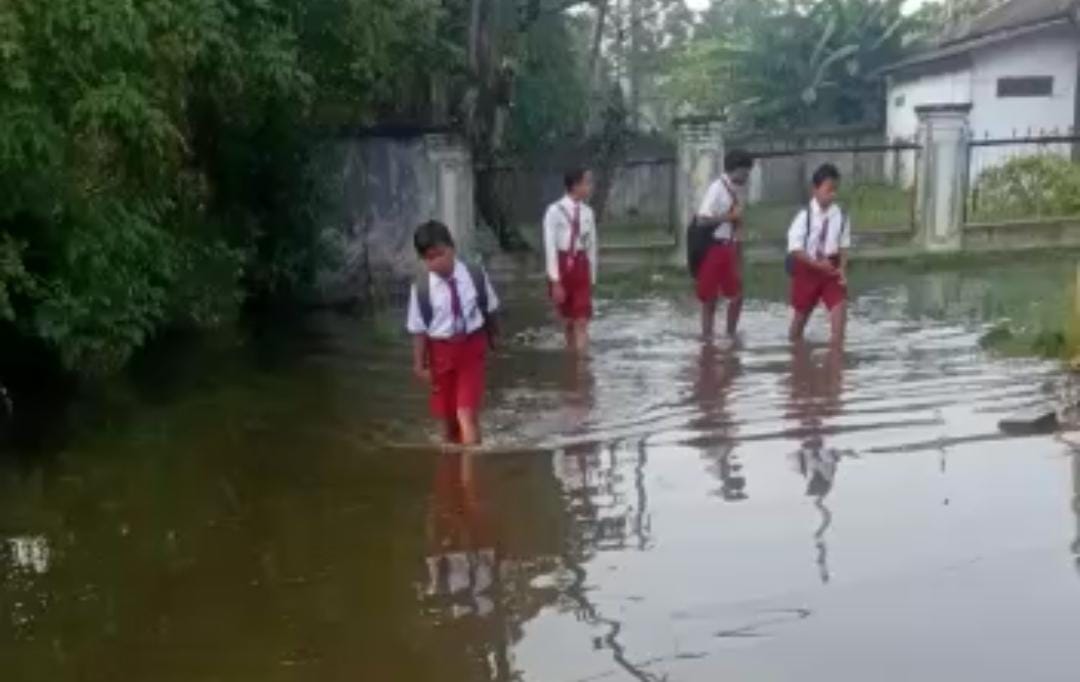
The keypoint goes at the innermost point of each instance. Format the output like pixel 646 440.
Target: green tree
pixel 793 63
pixel 154 154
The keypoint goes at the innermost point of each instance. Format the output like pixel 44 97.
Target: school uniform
pixel 720 272
pixel 570 254
pixel 821 235
pixel 457 339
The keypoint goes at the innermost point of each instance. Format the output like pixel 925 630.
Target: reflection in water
pixel 29 553
pixel 1076 505
pixel 462 559
pixel 580 393
pixel 815 397
pixel 714 373
pixel 601 516
pixel 478 570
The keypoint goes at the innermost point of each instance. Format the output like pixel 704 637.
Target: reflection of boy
pixel 462 560
pixel 718 271
pixel 818 242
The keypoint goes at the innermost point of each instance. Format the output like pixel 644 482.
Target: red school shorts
pixel 575 275
pixel 720 273
pixel 810 287
pixel 457 373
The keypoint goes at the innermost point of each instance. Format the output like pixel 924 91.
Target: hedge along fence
pixel 1029 180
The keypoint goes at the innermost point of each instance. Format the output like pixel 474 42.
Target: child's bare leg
pixel 470 427
pixel 708 318
pixel 798 325
pixel 452 431
pixel 838 323
pixel 569 331
pixel 581 335
pixel 734 312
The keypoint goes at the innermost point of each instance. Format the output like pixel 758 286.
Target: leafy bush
pixel 155 163
pixel 1028 187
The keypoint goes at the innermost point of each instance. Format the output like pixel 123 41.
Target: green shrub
pixel 1028 187
pixel 156 156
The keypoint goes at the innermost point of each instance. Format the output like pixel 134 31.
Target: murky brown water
pixel 665 511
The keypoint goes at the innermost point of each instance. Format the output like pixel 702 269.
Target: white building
pixel 1017 65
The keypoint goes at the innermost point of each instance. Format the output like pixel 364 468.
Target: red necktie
pixel 455 306
pixel 824 236
pixel 575 234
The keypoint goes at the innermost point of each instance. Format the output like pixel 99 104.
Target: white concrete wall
pixel 1053 53
pixel 949 87
pixel 1049 53
pixel 953 87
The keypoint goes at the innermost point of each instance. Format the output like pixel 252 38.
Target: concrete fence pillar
pixel 451 159
pixel 944 134
pixel 700 152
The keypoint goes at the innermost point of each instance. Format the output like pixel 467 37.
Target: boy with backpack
pixel 713 244
pixel 818 242
pixel 451 318
pixel 570 255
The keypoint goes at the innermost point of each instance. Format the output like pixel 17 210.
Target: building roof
pixel 1007 20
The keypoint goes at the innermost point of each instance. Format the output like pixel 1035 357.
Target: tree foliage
pixel 766 63
pixel 153 154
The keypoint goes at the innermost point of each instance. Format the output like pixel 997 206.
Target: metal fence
pixel 877 191
pixel 1032 175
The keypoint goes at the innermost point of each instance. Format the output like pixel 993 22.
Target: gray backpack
pixel 480 283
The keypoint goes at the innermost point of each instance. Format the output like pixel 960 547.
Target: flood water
pixel 664 511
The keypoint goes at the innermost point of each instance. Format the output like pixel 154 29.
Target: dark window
pixel 900 100
pixel 1027 86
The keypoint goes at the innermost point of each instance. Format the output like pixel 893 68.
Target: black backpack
pixel 699 238
pixel 789 260
pixel 480 283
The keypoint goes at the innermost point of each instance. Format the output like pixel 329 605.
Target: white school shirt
pixel 718 201
pixel 838 237
pixel 442 311
pixel 557 231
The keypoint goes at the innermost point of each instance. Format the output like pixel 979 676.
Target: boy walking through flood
pixel 451 318
pixel 818 243
pixel 713 240
pixel 570 255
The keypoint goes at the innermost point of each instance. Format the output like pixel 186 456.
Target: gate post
pixel 944 133
pixel 452 162
pixel 700 152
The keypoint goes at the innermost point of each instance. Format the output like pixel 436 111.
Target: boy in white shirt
pixel 717 259
pixel 570 255
pixel 451 318
pixel 818 242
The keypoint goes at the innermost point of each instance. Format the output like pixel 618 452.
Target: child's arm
pixel 551 247
pixel 491 315
pixel 594 248
pixel 415 325
pixel 845 246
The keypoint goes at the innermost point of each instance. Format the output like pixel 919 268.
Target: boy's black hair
pixel 432 234
pixel 825 171
pixel 573 176
pixel 737 159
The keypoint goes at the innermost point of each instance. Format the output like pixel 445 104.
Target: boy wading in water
pixel 570 253
pixel 451 318
pixel 714 247
pixel 818 242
